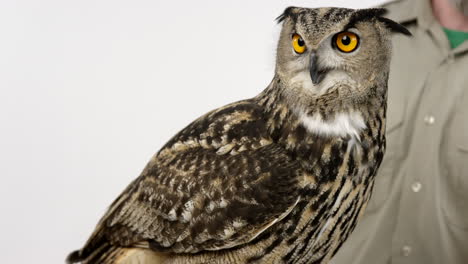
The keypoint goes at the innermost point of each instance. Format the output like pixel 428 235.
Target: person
pixel 419 209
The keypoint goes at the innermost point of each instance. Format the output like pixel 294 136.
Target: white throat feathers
pixel 342 125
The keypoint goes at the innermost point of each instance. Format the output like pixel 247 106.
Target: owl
pixel 279 178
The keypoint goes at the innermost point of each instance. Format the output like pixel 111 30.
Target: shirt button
pixel 406 251
pixel 416 186
pixel 429 120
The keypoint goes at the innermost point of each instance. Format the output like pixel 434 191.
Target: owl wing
pixel 219 183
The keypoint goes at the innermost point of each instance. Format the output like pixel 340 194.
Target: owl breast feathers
pixel 279 178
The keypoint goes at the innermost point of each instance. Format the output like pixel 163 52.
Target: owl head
pixel 327 49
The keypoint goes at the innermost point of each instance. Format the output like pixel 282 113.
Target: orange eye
pixel 298 44
pixel 346 41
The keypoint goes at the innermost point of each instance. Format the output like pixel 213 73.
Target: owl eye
pixel 346 41
pixel 298 44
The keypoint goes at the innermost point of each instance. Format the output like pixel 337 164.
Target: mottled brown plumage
pixel 279 178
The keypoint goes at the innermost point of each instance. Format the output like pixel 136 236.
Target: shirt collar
pixel 414 10
pixel 420 11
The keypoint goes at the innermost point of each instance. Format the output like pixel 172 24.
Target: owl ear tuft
pixel 394 26
pixel 289 11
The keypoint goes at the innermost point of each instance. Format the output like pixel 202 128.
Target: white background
pixel 90 90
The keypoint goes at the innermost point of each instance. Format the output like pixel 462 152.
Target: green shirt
pixel 455 37
pixel 418 212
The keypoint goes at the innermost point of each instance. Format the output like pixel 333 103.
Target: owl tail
pixel 107 254
pixel 96 256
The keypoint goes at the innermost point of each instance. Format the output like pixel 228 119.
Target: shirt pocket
pixel 455 192
pixel 387 171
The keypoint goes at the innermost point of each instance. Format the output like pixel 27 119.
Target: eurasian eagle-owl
pixel 279 178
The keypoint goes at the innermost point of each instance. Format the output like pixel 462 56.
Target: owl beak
pixel 316 74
